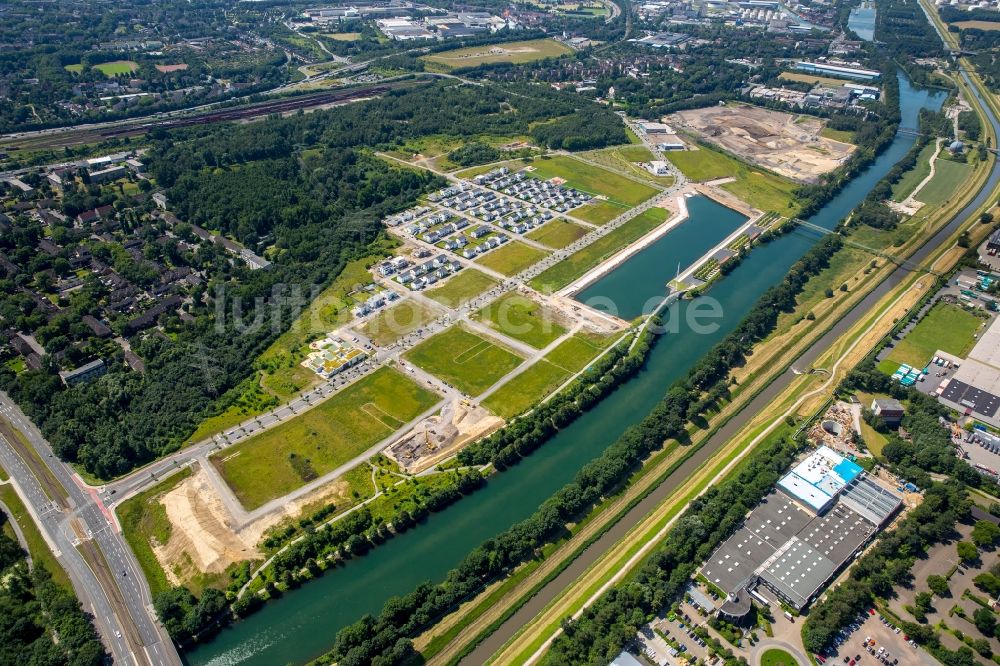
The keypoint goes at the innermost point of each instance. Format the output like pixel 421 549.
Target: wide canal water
pixel 636 286
pixel 862 21
pixel 303 624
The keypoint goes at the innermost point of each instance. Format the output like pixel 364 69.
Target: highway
pixel 611 538
pixel 77 528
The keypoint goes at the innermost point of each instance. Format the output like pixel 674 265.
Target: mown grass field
pixel 37 547
pixel 811 78
pixel 144 522
pixel 522 318
pixel 558 233
pixel 511 258
pixel 593 179
pixel 396 321
pixel 845 136
pixel 512 52
pixel 461 288
pixel 600 212
pixel 914 176
pixel 531 386
pixel 116 67
pixel 948 176
pixel 578 263
pixel 777 657
pixel 946 327
pixel 628 159
pixel 756 186
pixel 463 359
pixel 321 439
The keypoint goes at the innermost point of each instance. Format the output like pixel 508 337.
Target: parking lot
pixel 873 640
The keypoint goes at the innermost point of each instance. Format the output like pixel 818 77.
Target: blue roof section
pixel 847 470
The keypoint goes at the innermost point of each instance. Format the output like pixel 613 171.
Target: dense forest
pixel 304 190
pixel 41 624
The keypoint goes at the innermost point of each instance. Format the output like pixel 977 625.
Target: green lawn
pixel 308 446
pixel 601 212
pixel 946 327
pixel 522 318
pixel 756 186
pixel 398 320
pixel 144 523
pixel 531 386
pixel 592 179
pixel 116 67
pixel 525 390
pixel 461 288
pixel 37 547
pixel 578 263
pixel 948 176
pixel 837 135
pixel 777 657
pixel 558 233
pixel 512 52
pixel 512 258
pixel 914 176
pixel 75 69
pixel 463 359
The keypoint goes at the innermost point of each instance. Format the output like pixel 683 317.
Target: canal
pixel 636 287
pixel 303 624
pixel 862 21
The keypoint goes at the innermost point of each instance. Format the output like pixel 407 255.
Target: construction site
pixel 441 435
pixel 791 145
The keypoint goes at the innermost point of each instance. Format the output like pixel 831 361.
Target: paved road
pixel 104 573
pixel 611 537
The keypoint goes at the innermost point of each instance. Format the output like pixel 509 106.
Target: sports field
pixel 946 327
pixel 522 318
pixel 321 439
pixel 116 67
pixel 758 187
pixel 398 320
pixel 512 258
pixel 558 233
pixel 463 359
pixel 512 52
pixel 558 276
pixel 461 288
pixel 592 179
pixel 534 384
pixel 948 175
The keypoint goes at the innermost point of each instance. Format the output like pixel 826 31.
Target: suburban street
pixel 77 528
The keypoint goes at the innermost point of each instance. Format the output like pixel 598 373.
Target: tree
pixel 985 622
pixel 985 534
pixel 923 600
pixel 967 551
pixel 938 585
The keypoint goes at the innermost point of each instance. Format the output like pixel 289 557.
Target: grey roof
pixel 981 402
pixel 723 254
pixel 870 500
pixel 890 404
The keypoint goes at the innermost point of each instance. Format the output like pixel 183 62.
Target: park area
pixel 946 327
pixel 523 318
pixel 463 359
pixel 527 389
pixel 791 145
pixel 512 52
pixel 306 447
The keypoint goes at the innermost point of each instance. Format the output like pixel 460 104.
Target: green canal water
pixel 636 287
pixel 303 624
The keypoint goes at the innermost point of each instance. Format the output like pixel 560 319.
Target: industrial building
pixel 974 390
pixel 797 539
pixel 839 71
